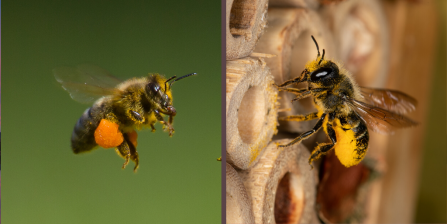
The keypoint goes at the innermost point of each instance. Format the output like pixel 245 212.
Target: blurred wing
pixel 86 83
pixel 394 101
pixel 378 119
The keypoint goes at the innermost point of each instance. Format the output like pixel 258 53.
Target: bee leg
pixel 167 124
pixel 323 148
pixel 293 90
pixel 153 128
pixel 133 151
pixel 295 80
pixel 307 134
pixel 307 117
pixel 308 93
pixel 124 151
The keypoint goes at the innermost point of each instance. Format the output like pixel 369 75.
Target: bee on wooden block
pixel 346 111
pixel 120 108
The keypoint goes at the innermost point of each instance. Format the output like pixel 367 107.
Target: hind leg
pixel 131 138
pixel 123 150
pixel 128 149
pixel 323 148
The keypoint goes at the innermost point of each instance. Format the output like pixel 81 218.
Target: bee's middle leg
pixel 324 148
pixel 308 117
pixel 307 134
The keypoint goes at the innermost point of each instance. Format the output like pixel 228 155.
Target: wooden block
pixel 238 202
pixel 245 22
pixel 282 186
pixel 311 4
pixel 251 110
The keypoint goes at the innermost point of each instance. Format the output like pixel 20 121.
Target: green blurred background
pixel 179 179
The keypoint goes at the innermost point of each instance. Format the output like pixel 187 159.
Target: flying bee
pixel 345 110
pixel 120 108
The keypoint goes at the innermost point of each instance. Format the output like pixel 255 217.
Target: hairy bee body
pixel 128 106
pixel 344 111
pixel 341 124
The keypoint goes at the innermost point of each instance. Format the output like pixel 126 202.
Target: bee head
pixel 159 90
pixel 319 71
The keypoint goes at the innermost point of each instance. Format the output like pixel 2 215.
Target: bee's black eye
pixel 321 73
pixel 152 88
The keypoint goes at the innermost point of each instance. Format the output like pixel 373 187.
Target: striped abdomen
pixel 83 136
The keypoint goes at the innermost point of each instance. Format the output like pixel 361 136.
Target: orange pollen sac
pixel 133 137
pixel 107 134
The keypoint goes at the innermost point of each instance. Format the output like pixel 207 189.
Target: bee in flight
pixel 345 110
pixel 119 109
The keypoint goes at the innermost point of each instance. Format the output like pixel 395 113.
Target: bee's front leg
pixel 166 124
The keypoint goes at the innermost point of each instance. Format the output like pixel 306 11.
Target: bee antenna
pixel 173 77
pixel 321 58
pixel 181 78
pixel 316 44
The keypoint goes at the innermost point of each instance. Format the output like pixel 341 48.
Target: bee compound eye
pixel 152 87
pixel 321 73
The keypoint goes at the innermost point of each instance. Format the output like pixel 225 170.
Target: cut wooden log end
pixel 245 22
pixel 289 37
pixel 238 203
pixel 282 185
pixel 361 35
pixel 251 110
pixel 309 4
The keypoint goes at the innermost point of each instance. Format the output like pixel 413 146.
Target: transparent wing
pixel 86 83
pixel 378 119
pixel 391 100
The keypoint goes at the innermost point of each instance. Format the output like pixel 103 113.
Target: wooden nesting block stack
pixel 251 107
pixel 354 33
pixel 251 102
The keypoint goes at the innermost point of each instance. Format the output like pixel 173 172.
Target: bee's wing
pixel 378 119
pixel 86 83
pixel 391 100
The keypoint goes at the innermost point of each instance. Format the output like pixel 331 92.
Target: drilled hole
pixel 289 200
pixel 251 115
pixel 242 17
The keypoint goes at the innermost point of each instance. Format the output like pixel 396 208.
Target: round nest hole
pixel 242 15
pixel 251 114
pixel 289 201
